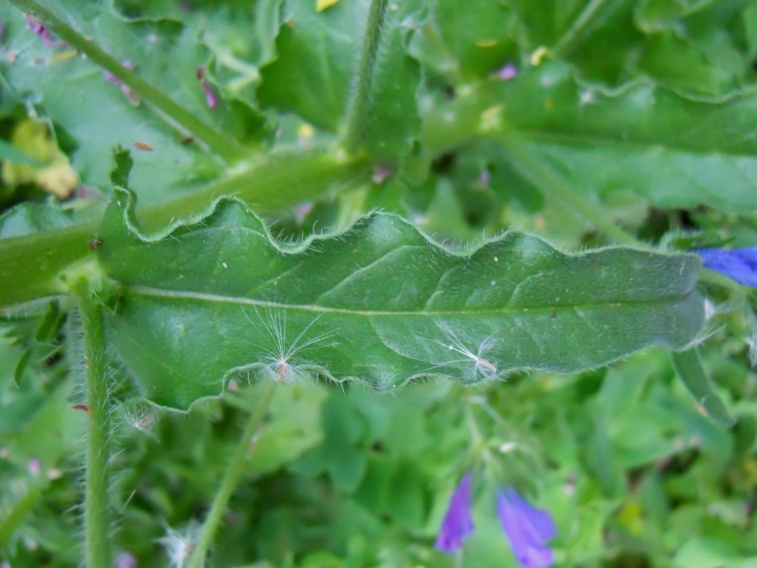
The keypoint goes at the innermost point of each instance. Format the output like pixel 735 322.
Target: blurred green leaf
pixel 78 98
pixel 465 40
pixel 693 47
pixel 707 552
pixel 690 370
pixel 293 428
pixel 670 150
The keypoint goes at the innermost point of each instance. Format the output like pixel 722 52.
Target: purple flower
pixel 508 72
pixel 457 523
pixel 738 264
pixel 528 529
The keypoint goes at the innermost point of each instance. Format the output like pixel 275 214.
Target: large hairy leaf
pixel 380 303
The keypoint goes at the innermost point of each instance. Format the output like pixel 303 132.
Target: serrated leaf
pixel 380 303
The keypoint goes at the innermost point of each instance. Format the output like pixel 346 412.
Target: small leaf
pixel 122 164
pixel 380 303
pixel 689 369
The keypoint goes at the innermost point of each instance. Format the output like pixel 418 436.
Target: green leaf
pixel 28 218
pixel 689 368
pixel 319 76
pixel 465 40
pixel 9 153
pixel 692 47
pixel 78 99
pixel 316 61
pixel 671 150
pixel 380 303
pixel 383 116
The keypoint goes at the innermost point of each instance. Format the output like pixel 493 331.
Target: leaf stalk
pixel 356 114
pixel 231 477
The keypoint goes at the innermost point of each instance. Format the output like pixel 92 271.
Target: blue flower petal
pixel 528 529
pixel 738 264
pixel 458 521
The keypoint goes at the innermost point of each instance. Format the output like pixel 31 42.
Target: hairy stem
pixel 96 519
pixel 232 475
pixel 535 170
pixel 218 143
pixel 362 91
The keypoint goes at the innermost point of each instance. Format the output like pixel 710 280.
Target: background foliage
pixel 564 119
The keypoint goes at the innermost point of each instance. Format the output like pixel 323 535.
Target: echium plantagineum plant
pixel 209 206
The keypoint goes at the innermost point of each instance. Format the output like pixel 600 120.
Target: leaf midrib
pixel 217 298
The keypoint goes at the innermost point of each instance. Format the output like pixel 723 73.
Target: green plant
pixel 406 128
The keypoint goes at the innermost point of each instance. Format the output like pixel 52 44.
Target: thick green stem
pixel 30 265
pixel 232 475
pixel 219 143
pixel 356 115
pixel 535 170
pixel 96 518
pixel 273 185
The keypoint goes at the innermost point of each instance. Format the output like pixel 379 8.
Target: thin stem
pixel 534 169
pixel 356 114
pixel 218 143
pixel 579 26
pixel 231 477
pixel 96 518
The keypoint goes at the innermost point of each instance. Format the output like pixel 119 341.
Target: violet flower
pixel 738 264
pixel 458 522
pixel 528 529
pixel 509 71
